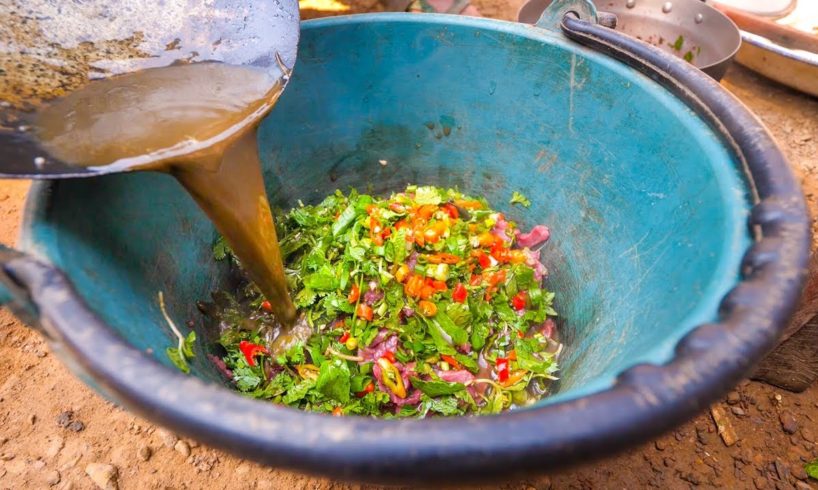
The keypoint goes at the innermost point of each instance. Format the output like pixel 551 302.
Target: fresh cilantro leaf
pixel 315 259
pixel 333 381
pixel 372 402
pixel 275 387
pixel 305 298
pixel 323 280
pixel 246 378
pixel 298 392
pixel 443 406
pixel 524 277
pixel 519 198
pixel 436 387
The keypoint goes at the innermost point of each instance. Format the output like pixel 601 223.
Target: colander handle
pixel 19 273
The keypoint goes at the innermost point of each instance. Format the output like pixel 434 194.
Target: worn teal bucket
pixel 648 192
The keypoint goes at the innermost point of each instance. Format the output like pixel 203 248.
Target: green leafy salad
pixel 425 303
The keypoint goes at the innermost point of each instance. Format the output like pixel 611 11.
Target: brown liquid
pixel 197 122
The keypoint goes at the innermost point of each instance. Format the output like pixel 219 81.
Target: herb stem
pixel 485 381
pixel 339 355
pixel 170 322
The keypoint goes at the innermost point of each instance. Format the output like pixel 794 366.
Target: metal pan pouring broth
pixel 679 247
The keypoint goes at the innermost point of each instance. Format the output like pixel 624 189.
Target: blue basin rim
pixel 645 401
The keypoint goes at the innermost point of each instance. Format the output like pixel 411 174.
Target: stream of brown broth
pixel 197 122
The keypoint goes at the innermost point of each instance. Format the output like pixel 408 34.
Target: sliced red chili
pixel 500 253
pixel 497 277
pixel 502 368
pixel 367 389
pixel 519 300
pixel 365 311
pixel 389 355
pixel 483 259
pixel 266 306
pixel 251 350
pixel 344 337
pixel 451 360
pixel 354 294
pixel 460 294
pixel 451 210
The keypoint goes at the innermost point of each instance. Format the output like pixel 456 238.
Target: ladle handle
pixel 19 275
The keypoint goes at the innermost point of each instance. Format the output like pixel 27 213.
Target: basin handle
pixel 19 274
pixel 552 16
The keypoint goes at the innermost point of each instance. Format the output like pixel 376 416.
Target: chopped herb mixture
pixel 428 302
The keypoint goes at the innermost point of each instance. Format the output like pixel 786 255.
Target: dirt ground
pixel 55 432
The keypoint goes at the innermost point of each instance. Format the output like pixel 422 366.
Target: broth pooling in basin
pixel 198 123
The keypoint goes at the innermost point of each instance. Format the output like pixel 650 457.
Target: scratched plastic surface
pixel 646 206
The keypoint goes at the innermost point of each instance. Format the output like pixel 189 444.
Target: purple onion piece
pixel 371 297
pixel 412 261
pixel 221 366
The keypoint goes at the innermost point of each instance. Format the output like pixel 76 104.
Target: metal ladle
pixel 49 48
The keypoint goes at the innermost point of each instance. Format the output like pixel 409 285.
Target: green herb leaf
pixel 677 45
pixel 443 406
pixel 812 469
pixel 333 381
pixel 519 198
pixel 298 392
pixel 479 333
pixel 274 388
pixel 467 362
pixel 187 345
pixel 531 357
pixel 246 378
pixel 459 314
pixel 436 387
pixel 305 298
pixel 344 220
pixel 427 195
pixel 441 344
pixel 179 355
pixel 178 359
pixel 459 335
pixel 221 250
pixel 323 280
